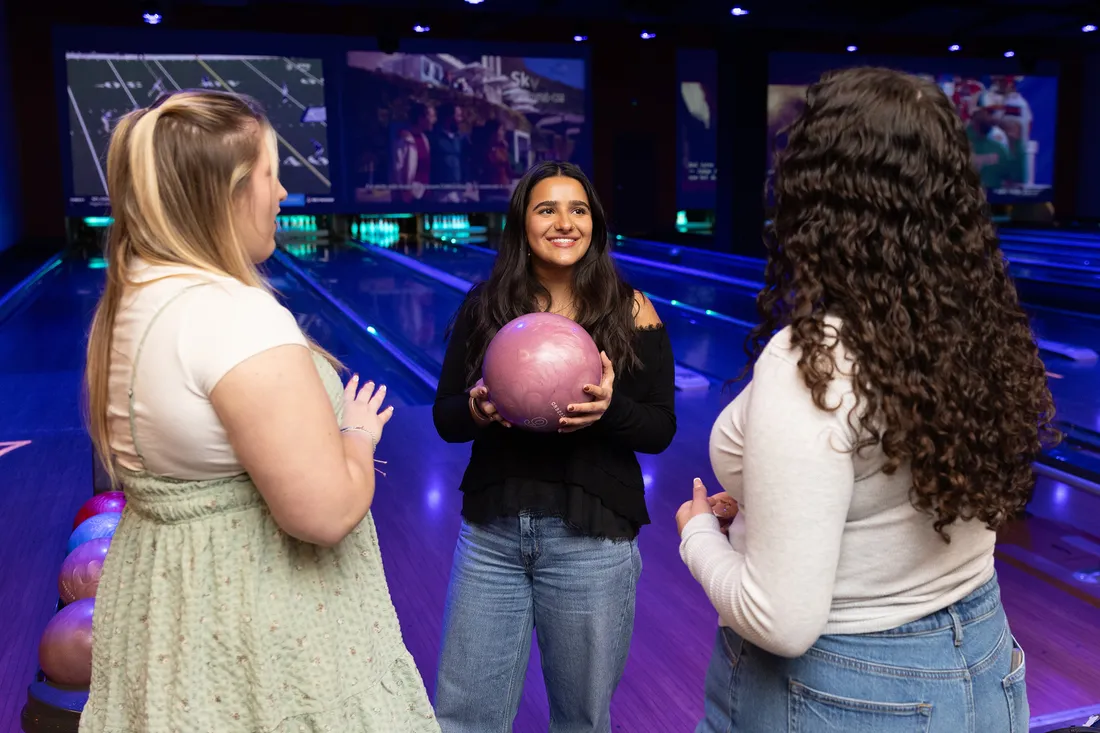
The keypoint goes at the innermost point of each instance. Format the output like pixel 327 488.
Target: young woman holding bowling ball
pixel 551 520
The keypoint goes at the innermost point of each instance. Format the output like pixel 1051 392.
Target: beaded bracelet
pixel 361 429
pixel 373 440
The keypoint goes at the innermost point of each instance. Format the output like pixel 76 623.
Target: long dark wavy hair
pixel 881 220
pixel 604 302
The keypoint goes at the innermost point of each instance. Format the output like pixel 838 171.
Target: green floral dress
pixel 210 618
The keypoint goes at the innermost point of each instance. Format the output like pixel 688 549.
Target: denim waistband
pixel 979 604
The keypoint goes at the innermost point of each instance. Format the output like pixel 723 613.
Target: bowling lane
pixel 1045 254
pixel 717 263
pixel 715 347
pixel 735 300
pixel 702 343
pixel 1052 238
pixel 731 296
pixel 409 309
pixel 42 350
pixel 358 352
pixel 45 460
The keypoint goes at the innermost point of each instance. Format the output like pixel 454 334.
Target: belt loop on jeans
pixel 956 625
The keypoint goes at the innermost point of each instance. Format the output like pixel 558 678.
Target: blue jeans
pixel 535 572
pixel 958 670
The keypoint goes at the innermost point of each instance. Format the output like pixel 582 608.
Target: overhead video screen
pixel 697 128
pixel 102 88
pixel 425 129
pixel 1010 120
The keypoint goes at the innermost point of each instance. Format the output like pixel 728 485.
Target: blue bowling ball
pixel 93 528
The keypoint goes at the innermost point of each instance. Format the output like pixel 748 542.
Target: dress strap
pixel 137 359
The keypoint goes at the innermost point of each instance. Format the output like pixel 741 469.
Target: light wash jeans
pixel 953 671
pixel 528 572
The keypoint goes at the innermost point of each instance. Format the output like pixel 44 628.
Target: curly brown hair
pixel 882 221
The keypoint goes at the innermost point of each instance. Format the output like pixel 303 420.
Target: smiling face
pixel 559 223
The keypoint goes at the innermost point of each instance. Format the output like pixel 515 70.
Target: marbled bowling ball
pixel 65 651
pixel 109 501
pixel 94 527
pixel 79 576
pixel 536 366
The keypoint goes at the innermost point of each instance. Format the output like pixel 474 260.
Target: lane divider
pixel 11 298
pixel 422 374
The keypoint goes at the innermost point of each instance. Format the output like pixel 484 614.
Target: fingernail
pixel 355 378
pixel 382 388
pixel 570 408
pixel 562 421
pixel 698 480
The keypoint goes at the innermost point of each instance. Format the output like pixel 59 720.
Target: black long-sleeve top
pixel 591 478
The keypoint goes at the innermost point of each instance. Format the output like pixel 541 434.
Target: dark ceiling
pixel 1018 18
pixel 984 28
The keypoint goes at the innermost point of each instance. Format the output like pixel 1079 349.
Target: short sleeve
pixel 226 323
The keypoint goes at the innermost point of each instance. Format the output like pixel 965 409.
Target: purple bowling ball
pixel 65 651
pixel 94 527
pixel 79 576
pixel 536 366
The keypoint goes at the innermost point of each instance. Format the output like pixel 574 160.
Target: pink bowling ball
pixel 65 651
pixel 536 366
pixel 108 501
pixel 79 576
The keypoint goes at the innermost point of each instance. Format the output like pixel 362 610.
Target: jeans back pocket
pixel 1015 686
pixel 813 711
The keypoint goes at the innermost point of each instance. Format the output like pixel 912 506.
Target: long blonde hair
pixel 175 171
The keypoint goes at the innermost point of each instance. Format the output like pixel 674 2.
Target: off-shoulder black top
pixel 590 478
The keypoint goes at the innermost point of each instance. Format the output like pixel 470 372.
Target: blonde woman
pixel 244 588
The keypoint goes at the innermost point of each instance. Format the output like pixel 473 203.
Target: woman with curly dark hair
pixel 887 433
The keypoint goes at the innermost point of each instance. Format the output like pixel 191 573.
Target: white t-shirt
pixel 825 542
pixel 194 342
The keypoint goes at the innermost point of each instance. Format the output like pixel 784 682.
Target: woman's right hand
pixel 482 408
pixel 362 408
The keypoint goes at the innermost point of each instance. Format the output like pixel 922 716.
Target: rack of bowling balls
pixel 57 695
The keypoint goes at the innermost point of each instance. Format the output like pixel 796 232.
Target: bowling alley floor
pixel 45 464
pixel 44 481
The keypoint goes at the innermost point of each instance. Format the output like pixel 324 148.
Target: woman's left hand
pixel 584 414
pixel 699 504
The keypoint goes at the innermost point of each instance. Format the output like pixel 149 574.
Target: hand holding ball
pixel 538 366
